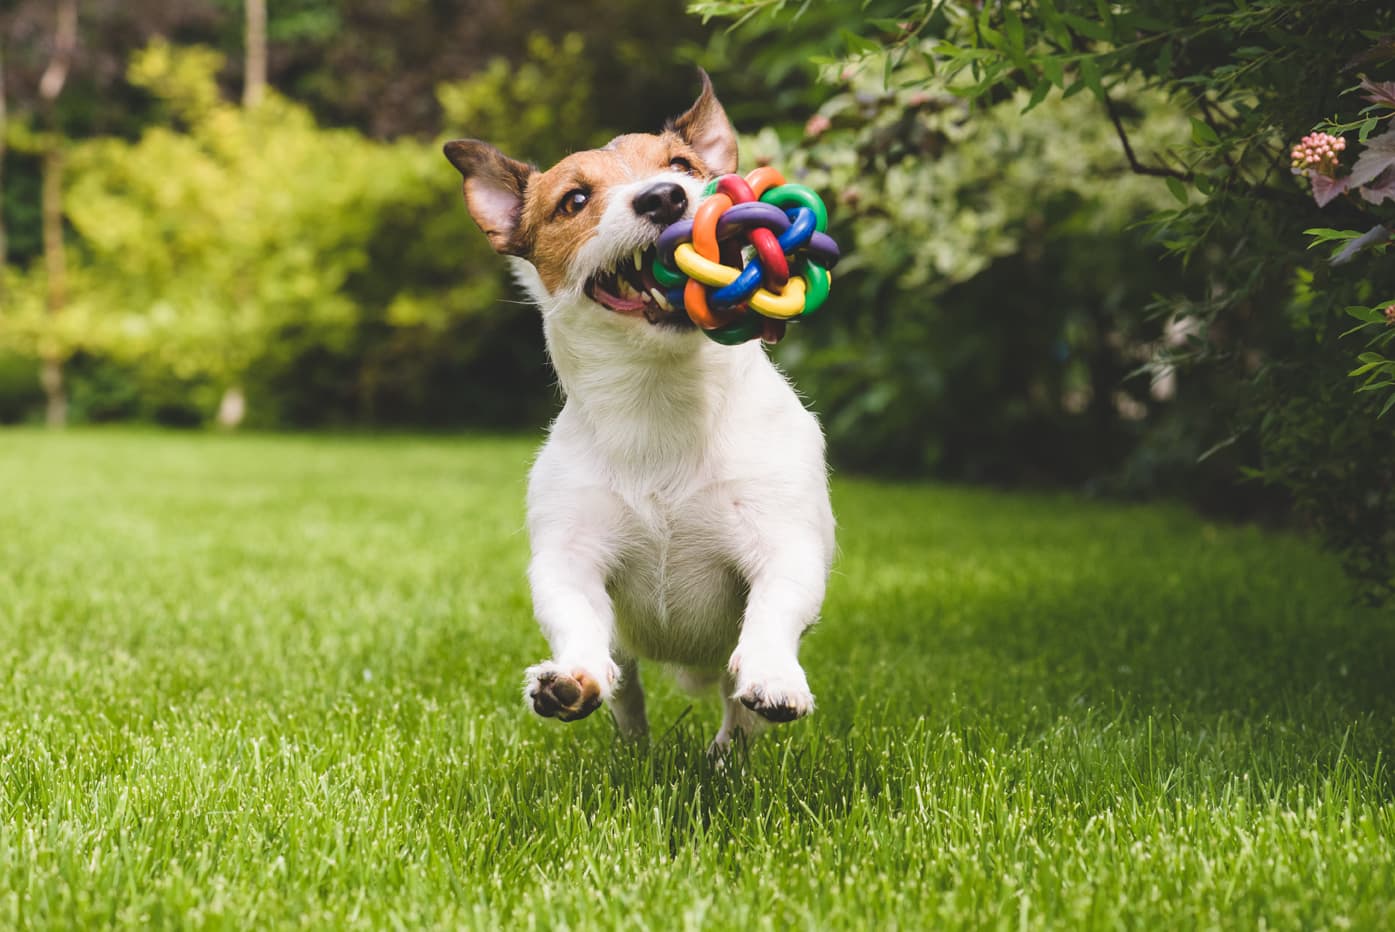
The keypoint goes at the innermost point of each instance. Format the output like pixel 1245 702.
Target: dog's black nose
pixel 663 203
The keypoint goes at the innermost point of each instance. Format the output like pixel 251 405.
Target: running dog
pixel 679 510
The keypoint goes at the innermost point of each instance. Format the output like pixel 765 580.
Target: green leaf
pixel 1328 234
pixel 1178 189
pixel 1043 87
pixel 1164 66
pixel 1053 70
pixel 858 45
pixel 1012 26
pixel 1389 403
pixel 1090 74
pixel 1203 134
pixel 1085 27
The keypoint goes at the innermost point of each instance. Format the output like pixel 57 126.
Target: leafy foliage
pixel 227 246
pixel 927 362
pixel 1258 331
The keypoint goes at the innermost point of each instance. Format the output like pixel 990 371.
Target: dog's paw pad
pixel 566 696
pixel 776 704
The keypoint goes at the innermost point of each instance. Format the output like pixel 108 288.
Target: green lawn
pixel 251 681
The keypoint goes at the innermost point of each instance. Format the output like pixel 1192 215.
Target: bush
pixel 1252 334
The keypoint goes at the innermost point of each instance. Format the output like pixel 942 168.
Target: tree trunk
pixel 232 408
pixel 4 116
pixel 55 262
pixel 254 78
pixel 56 269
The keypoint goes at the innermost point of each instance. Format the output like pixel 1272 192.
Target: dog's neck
pixel 649 402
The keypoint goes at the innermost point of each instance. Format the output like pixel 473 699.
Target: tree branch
pixel 1157 171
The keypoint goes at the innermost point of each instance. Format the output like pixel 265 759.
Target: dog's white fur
pixel 679 510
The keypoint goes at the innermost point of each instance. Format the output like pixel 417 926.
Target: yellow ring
pixel 694 265
pixel 785 306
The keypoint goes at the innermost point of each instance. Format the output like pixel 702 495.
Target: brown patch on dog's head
pixel 547 217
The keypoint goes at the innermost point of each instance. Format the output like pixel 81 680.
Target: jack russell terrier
pixel 679 510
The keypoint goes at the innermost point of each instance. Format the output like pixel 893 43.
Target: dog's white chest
pixel 677 593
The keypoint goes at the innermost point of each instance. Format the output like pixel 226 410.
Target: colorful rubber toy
pixel 735 293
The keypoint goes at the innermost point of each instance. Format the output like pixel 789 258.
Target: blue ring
pixel 742 288
pixel 800 231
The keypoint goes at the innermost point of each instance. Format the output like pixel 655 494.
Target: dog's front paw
pixel 569 695
pixel 777 693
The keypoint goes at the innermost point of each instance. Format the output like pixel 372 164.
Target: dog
pixel 679 510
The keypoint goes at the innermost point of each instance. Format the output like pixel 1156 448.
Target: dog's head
pixel 587 225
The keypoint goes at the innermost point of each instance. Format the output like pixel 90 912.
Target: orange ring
pixel 764 178
pixel 700 312
pixel 705 226
pixel 705 244
pixel 695 301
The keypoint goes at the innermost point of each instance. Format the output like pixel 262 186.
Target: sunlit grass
pixel 254 681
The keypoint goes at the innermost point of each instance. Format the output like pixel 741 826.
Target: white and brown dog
pixel 679 510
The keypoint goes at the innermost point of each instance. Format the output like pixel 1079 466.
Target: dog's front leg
pixel 568 575
pixel 787 580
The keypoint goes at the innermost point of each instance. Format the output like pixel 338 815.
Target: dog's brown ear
pixel 494 186
pixel 706 128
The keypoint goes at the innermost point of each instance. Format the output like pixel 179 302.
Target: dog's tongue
pixel 617 303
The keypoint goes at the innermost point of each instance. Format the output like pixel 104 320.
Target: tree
pixel 55 256
pixel 4 125
pixel 233 406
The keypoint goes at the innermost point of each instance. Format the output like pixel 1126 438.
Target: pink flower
pixel 1390 316
pixel 1317 152
pixel 817 125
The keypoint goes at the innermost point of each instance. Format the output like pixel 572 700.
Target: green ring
pixel 796 195
pixel 710 188
pixel 666 276
pixel 818 283
pixel 746 327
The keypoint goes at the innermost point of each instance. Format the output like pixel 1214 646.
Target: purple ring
pixel 738 218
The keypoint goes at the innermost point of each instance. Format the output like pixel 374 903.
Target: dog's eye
pixel 573 201
pixel 681 164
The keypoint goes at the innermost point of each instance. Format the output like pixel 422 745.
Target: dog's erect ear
pixel 494 186
pixel 706 128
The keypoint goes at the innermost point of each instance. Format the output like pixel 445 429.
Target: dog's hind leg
pixel 627 702
pixel 736 720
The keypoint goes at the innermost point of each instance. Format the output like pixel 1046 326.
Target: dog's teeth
pixel 646 297
pixel 660 300
pixel 639 263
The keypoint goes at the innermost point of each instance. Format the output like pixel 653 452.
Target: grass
pixel 257 681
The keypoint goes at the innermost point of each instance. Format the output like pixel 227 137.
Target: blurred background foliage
pixel 1024 300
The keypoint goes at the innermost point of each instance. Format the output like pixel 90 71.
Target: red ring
pixel 772 258
pixel 736 188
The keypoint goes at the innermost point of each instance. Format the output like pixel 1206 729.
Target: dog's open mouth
pixel 630 288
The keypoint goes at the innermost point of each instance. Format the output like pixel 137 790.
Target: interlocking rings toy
pixel 709 271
